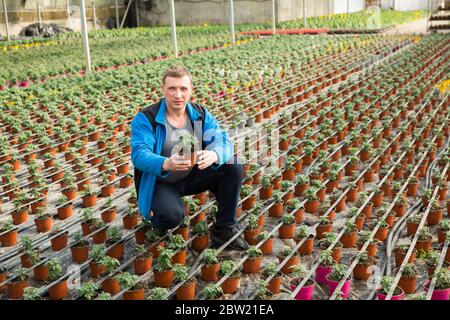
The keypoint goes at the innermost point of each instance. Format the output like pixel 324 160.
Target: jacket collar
pixel 193 114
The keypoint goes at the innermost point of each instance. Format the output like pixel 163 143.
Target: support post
pixel 5 13
pixel 117 13
pixel 274 30
pixel 173 27
pixel 94 15
pixel 136 6
pixel 38 9
pixel 69 22
pixel 84 33
pixel 233 37
pixel 305 22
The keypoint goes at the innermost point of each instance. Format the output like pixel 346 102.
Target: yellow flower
pixel 205 24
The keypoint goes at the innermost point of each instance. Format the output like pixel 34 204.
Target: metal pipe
pixel 84 33
pixel 233 38
pixel 5 13
pixel 173 27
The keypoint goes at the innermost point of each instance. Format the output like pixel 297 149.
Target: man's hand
pixel 206 158
pixel 176 163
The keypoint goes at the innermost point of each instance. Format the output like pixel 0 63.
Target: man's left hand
pixel 206 158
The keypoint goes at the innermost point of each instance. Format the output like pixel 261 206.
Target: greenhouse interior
pixel 203 150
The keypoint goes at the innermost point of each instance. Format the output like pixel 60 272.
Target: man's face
pixel 177 92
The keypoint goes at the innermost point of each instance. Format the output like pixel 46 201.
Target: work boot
pixel 221 235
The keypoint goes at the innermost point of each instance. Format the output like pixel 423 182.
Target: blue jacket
pixel 146 147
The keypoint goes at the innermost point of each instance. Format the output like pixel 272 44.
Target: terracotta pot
pixel 183 231
pixel 137 294
pixel 58 291
pixel 352 195
pixel 249 203
pixel 40 272
pixel 266 247
pixel 209 273
pixel 107 191
pixel 400 256
pixel 179 257
pixel 60 242
pixel 99 236
pixel 348 239
pixel 275 284
pixel 89 201
pixel 230 285
pixel 109 215
pixel 435 217
pixel 250 235
pixel 9 239
pixel 96 269
pixel 321 229
pixel 186 291
pixel 276 210
pixel 16 288
pixel 362 272
pixel 20 217
pixel 265 194
pixel 116 251
pixel 341 204
pixel 287 231
pixel 252 265
pixel 79 254
pixel 424 245
pixel 199 243
pixel 411 228
pixel 111 286
pixel 130 221
pixel 371 249
pixel 311 206
pixel 163 278
pixel 287 267
pixel 408 284
pixel 381 234
pixel 65 212
pixel 44 225
pixel 307 247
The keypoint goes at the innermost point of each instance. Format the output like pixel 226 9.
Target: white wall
pixel 340 6
pixel 409 5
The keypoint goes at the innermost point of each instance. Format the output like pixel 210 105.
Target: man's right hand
pixel 176 163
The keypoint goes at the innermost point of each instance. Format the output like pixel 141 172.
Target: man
pixel 163 176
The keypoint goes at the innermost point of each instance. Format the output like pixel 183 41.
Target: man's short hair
pixel 176 72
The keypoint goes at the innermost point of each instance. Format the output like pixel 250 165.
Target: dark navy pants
pixel 225 182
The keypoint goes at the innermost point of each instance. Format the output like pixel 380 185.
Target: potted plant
pixel 181 275
pixel 89 196
pixel 287 229
pixel 412 224
pixel 408 280
pixel 187 147
pixel 108 212
pixel 31 293
pixel 436 213
pixel 253 263
pixel 17 285
pixel 58 290
pixel 276 210
pixel 211 265
pixel 130 218
pixel 325 225
pixel 312 203
pixel 163 271
pixel 336 275
pixel 424 239
pixel 386 285
pixel 348 239
pixel 134 288
pixel 59 239
pixel 400 253
pixel 95 266
pixel 363 269
pixel 266 187
pixel 158 294
pixel 88 291
pixel 267 245
pixel 200 242
pixel 252 229
pixel 229 269
pixel 286 252
pixel 143 262
pixel 303 234
pixel 178 245
pixel 295 207
pixel 442 230
pixel 307 290
pixel 270 270
pixel 212 292
pixel 364 236
pixel 442 287
pixel 110 285
pixel 325 266
pixel 9 233
pixel 64 207
pixel 79 248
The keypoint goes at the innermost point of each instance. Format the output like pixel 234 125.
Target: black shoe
pixel 221 235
